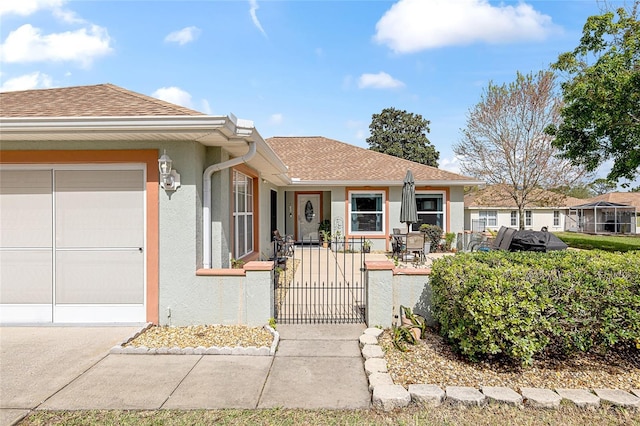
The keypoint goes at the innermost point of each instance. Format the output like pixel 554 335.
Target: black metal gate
pixel 316 284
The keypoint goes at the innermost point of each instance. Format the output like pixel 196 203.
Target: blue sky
pixel 295 68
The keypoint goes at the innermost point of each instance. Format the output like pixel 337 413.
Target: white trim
pixel 382 192
pixel 488 218
pixel 100 313
pixel 26 313
pixel 137 124
pixel 247 214
pixel 517 217
pixel 444 204
pixel 387 183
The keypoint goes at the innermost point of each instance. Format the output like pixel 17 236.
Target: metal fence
pixel 321 285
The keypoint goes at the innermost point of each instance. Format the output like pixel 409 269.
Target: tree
pixel 576 191
pixel 601 115
pixel 602 186
pixel 505 144
pixel 402 134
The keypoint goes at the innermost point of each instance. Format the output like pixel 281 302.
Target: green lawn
pixel 443 415
pixel 600 242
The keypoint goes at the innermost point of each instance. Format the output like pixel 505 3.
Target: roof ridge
pixel 291 148
pixel 56 88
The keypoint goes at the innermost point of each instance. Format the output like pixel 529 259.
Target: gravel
pixel 203 335
pixel 431 361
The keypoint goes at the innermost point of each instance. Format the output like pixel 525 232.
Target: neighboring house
pixel 615 212
pixel 491 207
pixel 90 232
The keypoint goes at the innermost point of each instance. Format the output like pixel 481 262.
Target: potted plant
pixel 366 246
pixel 324 230
pixel 449 238
pixel 325 237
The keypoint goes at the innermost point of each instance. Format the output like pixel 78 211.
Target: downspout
pixel 206 189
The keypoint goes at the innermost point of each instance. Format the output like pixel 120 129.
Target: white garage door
pixel 72 245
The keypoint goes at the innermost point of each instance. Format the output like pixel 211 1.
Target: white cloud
pixel 28 44
pixel 175 95
pixel 414 25
pixel 183 36
pixel 276 118
pixel 254 17
pixel 450 164
pixel 382 80
pixel 68 16
pixel 27 7
pixel 206 108
pixel 34 80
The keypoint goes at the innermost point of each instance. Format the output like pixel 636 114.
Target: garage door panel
pixel 101 208
pixel 26 277
pixel 99 277
pixel 26 213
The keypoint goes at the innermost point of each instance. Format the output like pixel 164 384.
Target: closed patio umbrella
pixel 408 209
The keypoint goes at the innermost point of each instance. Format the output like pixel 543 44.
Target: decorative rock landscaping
pixel 126 348
pixel 388 396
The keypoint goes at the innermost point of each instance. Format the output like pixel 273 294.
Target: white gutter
pixel 206 189
pixel 151 123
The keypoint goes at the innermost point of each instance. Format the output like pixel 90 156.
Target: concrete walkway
pixel 69 368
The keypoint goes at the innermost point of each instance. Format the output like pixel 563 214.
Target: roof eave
pixel 300 182
pixel 22 125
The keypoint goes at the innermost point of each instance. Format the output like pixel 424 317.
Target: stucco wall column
pixel 379 293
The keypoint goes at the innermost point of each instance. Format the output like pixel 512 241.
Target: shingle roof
pixel 317 158
pixel 628 198
pixel 496 196
pixel 101 100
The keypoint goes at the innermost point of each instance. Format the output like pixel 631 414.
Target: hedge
pixel 521 304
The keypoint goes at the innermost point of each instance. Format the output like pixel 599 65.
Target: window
pixel 514 218
pixel 430 207
pixel 556 218
pixel 528 218
pixel 490 217
pixel 366 212
pixel 242 214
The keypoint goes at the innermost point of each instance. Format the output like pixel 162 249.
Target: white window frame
pixel 513 218
pixel 246 216
pixel 382 212
pixel 556 218
pixel 444 207
pixel 490 217
pixel 528 218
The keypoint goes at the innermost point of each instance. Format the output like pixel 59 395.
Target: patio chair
pixel 415 244
pixel 501 242
pixel 283 247
pixel 398 245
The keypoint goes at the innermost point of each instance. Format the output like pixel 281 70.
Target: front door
pixel 309 216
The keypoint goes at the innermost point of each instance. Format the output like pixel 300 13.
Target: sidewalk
pixel 69 368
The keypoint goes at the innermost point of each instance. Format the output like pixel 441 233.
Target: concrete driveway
pixel 69 368
pixel 36 362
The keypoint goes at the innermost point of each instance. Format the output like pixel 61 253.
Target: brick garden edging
pixel 387 395
pixel 200 350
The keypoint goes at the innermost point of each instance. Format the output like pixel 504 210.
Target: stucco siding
pixel 539 218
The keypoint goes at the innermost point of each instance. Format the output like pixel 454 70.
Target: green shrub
pixel 519 304
pixel 433 233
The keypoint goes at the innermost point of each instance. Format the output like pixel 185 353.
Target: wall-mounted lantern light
pixel 169 178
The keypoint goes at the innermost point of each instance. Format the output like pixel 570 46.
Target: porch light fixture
pixel 169 178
